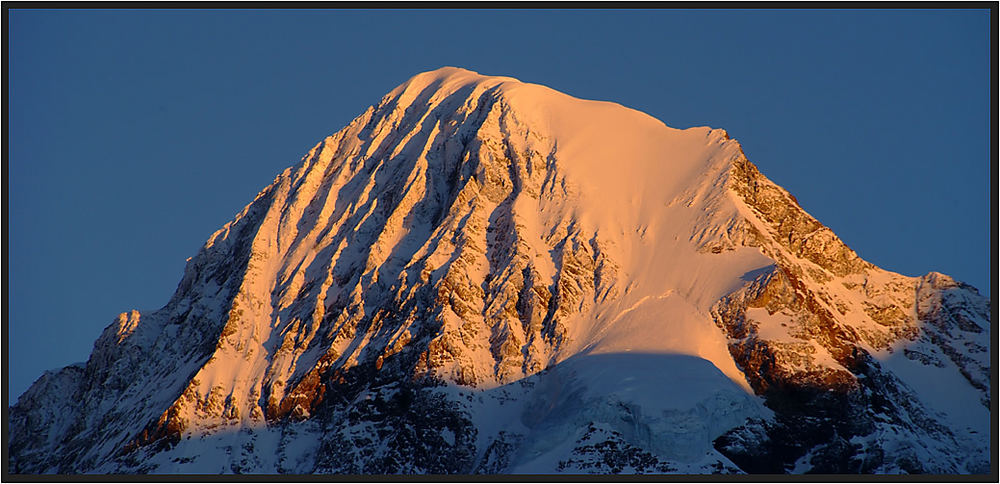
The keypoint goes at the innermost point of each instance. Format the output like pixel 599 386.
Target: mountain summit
pixel 481 275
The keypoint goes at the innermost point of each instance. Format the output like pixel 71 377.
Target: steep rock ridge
pixel 407 213
pixel 140 364
pixel 403 233
pixel 813 333
pixel 480 275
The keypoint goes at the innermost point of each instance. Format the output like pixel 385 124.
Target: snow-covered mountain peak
pixel 449 79
pixel 473 247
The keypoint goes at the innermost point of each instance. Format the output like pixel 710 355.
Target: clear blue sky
pixel 136 134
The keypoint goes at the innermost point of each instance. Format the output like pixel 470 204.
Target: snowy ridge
pixel 480 275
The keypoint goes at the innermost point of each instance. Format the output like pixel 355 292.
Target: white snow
pixel 940 390
pixel 671 405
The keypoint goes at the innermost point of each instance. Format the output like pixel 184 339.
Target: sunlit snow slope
pixel 480 275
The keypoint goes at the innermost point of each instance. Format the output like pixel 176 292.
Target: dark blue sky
pixel 136 134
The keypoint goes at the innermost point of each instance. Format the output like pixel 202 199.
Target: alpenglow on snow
pixel 481 275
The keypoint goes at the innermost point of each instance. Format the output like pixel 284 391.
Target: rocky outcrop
pixel 805 333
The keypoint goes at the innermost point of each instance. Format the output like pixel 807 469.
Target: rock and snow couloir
pixel 480 275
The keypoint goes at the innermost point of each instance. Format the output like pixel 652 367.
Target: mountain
pixel 480 275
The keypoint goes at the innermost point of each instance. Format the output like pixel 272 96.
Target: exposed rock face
pixel 805 334
pixel 479 275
